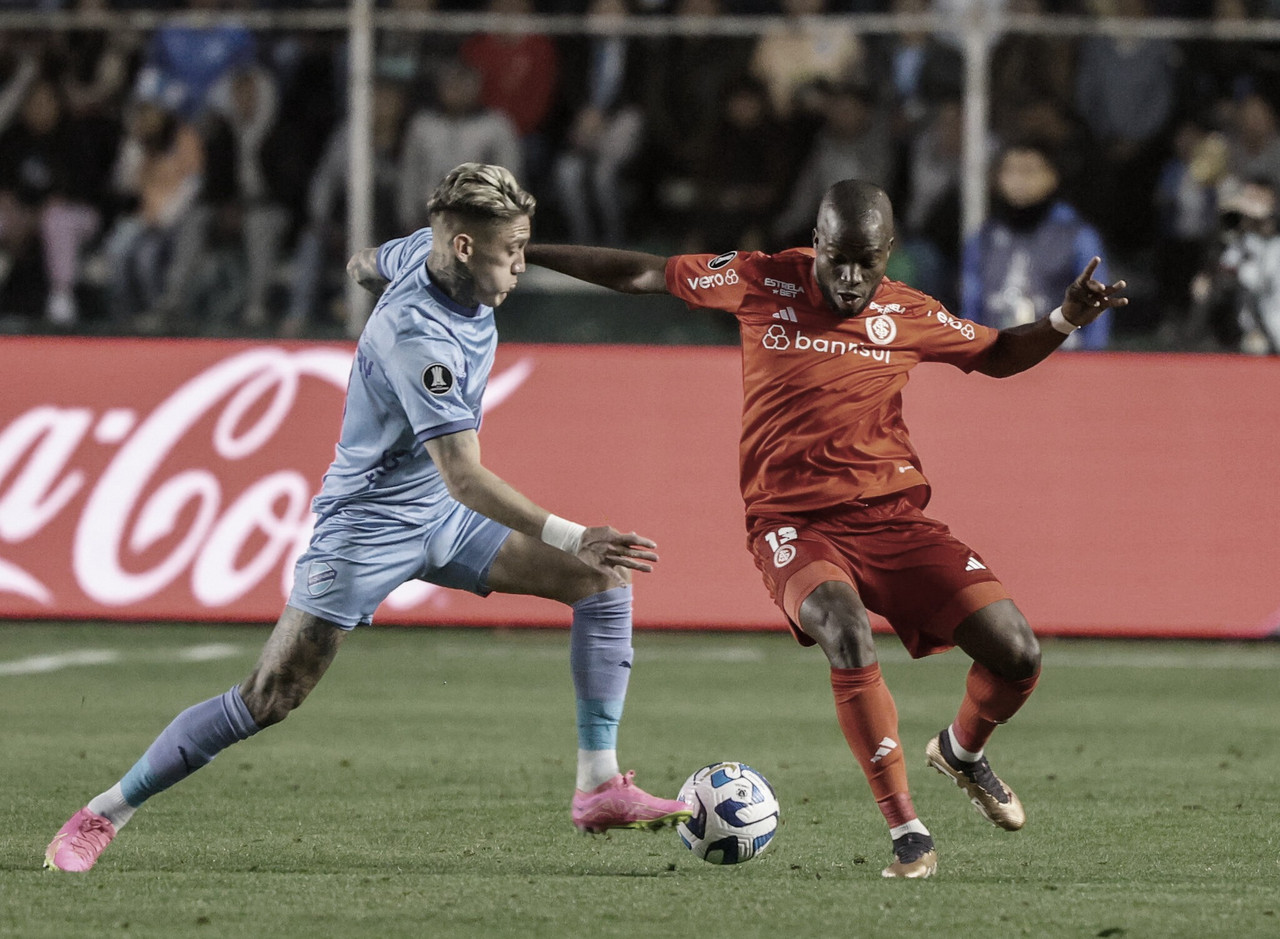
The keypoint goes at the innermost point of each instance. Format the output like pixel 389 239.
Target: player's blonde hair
pixel 481 191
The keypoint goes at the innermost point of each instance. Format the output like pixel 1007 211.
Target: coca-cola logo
pixel 223 423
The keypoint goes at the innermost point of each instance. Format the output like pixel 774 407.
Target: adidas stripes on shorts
pixel 905 566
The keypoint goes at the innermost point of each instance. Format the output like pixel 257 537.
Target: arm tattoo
pixel 363 269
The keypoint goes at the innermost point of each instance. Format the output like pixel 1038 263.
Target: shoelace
pixel 911 847
pixel 980 772
pixel 92 837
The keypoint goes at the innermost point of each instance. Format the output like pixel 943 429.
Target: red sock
pixel 869 720
pixel 989 700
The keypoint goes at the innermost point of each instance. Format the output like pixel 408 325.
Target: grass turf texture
pixel 424 790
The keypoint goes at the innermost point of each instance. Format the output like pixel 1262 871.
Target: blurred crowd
pixel 192 179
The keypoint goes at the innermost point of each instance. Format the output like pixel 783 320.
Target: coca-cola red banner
pixel 1114 494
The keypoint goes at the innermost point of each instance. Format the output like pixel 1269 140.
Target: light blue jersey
pixel 420 370
pixel 384 513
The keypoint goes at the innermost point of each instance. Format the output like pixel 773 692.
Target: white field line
pixel 207 653
pixel 51 663
pixel 1232 657
pixel 666 647
pixel 37 664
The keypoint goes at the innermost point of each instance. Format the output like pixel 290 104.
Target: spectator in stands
pixel 459 129
pixel 929 228
pixel 19 67
pixel 311 78
pixel 605 136
pixel 243 149
pixel 740 183
pixel 805 54
pixel 1223 71
pixel 1059 129
pixel 1027 68
pixel 411 56
pixel 924 69
pixel 1187 205
pixel 1238 295
pixel 151 251
pixel 183 62
pixel 520 76
pixel 1012 267
pixel 96 67
pixel 1254 140
pixel 322 241
pixel 1125 92
pixel 689 77
pixel 854 142
pixel 50 176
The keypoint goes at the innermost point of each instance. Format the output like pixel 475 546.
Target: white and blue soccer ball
pixel 735 813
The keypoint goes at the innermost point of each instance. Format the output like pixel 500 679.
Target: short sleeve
pixel 710 282
pixel 952 340
pixel 427 375
pixel 398 253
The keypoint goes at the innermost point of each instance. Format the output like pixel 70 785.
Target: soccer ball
pixel 735 813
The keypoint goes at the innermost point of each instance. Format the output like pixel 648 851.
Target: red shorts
pixel 905 566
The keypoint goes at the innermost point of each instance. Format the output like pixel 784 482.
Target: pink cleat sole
pixel 78 844
pixel 620 803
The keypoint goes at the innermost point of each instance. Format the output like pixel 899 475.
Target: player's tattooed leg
pixel 296 656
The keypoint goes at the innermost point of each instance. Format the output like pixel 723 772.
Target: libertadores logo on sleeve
pixel 437 378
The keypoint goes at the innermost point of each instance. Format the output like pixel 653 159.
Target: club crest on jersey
pixel 718 262
pixel 437 378
pixel 881 329
pixel 320 577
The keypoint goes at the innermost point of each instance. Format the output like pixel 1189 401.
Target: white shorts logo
pixel 784 555
pixel 776 338
pixel 881 329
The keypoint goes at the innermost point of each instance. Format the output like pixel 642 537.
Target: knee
pixel 589 582
pixel 269 703
pixel 1022 660
pixel 834 617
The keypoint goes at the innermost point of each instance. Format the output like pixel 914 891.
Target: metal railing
pixel 979 30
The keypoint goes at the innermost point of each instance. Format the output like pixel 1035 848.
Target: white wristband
pixel 563 534
pixel 1061 323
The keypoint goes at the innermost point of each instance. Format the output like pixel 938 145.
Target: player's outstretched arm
pixel 1020 347
pixel 457 457
pixel 624 271
pixel 363 269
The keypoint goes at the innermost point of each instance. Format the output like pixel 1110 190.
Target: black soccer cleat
pixel 995 801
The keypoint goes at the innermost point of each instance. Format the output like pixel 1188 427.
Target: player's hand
pixel 606 548
pixel 1087 299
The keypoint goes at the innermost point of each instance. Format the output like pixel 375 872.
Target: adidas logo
pixel 788 314
pixel 887 746
pixel 975 565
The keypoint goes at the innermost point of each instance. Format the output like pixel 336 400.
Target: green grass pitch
pixel 424 791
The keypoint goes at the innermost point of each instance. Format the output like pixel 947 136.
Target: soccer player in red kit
pixel 834 490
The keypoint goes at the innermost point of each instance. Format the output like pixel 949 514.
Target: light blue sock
pixel 190 741
pixel 600 657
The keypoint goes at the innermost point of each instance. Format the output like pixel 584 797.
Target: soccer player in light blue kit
pixel 407 497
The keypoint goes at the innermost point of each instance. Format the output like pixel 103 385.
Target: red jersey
pixel 822 418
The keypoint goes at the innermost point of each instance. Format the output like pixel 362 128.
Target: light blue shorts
pixel 356 559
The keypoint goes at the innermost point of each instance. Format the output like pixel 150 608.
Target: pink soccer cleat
pixel 78 843
pixel 620 803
